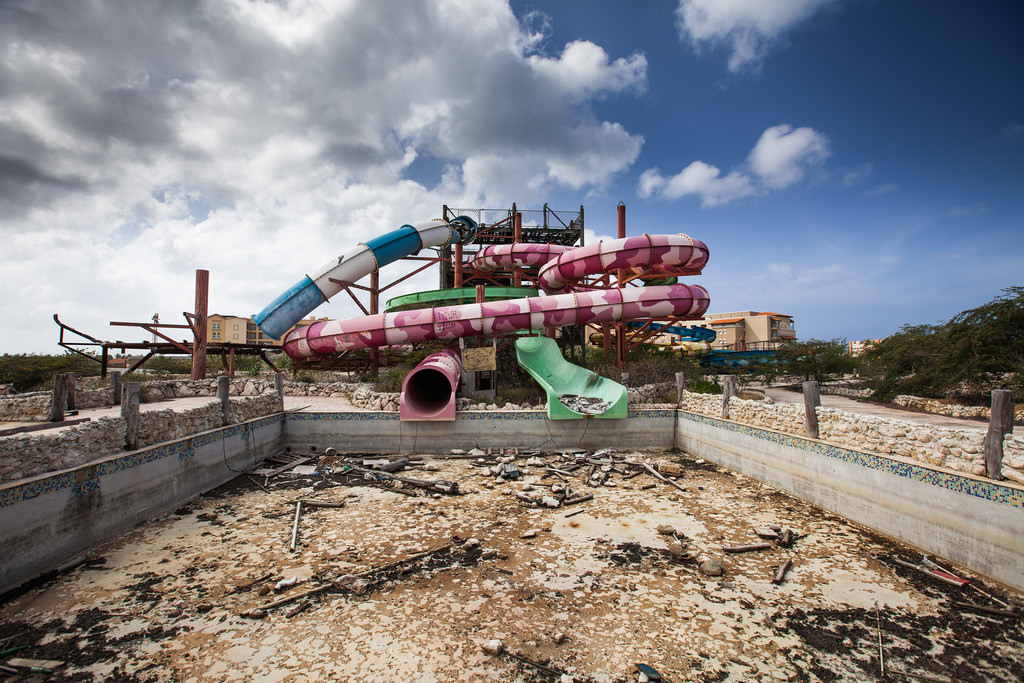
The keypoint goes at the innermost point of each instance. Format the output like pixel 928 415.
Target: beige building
pixel 749 330
pixel 860 346
pixel 229 329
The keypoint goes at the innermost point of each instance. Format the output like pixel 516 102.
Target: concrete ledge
pixel 46 520
pixel 375 432
pixel 974 522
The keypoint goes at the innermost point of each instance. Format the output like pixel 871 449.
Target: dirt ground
pixel 587 591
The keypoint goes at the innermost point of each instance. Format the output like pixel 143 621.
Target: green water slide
pixel 456 296
pixel 587 394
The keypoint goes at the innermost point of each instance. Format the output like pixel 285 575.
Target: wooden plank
pixel 290 465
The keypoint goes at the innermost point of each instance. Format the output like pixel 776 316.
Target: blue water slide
pixel 701 334
pixel 307 294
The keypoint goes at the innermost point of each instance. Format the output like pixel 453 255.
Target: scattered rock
pixel 712 568
pixel 493 647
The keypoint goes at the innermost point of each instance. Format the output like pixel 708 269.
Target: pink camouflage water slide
pixel 566 302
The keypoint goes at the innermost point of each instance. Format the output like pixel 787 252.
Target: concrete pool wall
pixel 47 520
pixel 50 519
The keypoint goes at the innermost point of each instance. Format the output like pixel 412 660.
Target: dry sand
pixel 590 595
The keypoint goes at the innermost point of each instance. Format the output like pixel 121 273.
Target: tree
pixel 816 359
pixel 908 362
pixel 978 350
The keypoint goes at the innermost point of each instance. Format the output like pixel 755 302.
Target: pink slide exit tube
pixel 428 392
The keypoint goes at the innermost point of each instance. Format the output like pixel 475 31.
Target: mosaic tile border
pixel 180 450
pixel 988 490
pixel 489 415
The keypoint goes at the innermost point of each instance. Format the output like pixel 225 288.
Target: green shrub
pixel 703 386
pixel 35 372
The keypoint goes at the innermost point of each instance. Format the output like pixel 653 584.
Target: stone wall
pixel 32 453
pixel 956 449
pixel 35 406
pixel 930 405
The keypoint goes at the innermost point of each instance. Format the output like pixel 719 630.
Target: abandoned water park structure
pixel 50 520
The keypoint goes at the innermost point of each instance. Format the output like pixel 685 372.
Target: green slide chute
pixel 590 394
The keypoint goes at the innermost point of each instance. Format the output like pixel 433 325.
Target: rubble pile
pixel 577 566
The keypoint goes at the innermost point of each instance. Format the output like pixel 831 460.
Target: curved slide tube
pixel 496 317
pixel 428 392
pixel 311 291
pixel 671 254
pixel 560 379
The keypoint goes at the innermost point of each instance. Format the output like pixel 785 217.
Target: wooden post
pixel 279 385
pixel 130 412
pixel 680 387
pixel 69 382
pixel 60 398
pixel 199 343
pixel 224 394
pixel 115 387
pixel 728 391
pixel 812 401
pixel 1000 423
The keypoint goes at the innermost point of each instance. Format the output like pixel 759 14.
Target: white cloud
pixel 698 179
pixel 258 139
pixel 781 158
pixel 751 28
pixel 782 155
pixel 583 69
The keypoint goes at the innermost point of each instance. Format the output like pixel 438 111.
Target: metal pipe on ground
pixel 428 392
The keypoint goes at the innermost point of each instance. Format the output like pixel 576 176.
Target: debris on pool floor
pixel 578 567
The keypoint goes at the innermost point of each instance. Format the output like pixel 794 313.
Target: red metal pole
pixel 199 343
pixel 374 309
pixel 517 273
pixel 620 329
pixel 458 266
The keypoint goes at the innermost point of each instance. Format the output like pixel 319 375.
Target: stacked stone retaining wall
pixel 29 454
pixel 35 406
pixel 956 449
pixel 930 405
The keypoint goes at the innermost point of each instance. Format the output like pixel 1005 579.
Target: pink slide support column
pixel 428 392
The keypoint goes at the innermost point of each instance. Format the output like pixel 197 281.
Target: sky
pixel 857 164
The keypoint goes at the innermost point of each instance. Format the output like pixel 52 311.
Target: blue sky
pixel 857 164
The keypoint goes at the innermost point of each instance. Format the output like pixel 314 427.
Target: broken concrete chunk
pixel 666 529
pixel 493 647
pixel 677 549
pixel 532 533
pixel 712 568
pixel 766 532
pixel 550 502
pixel 535 462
